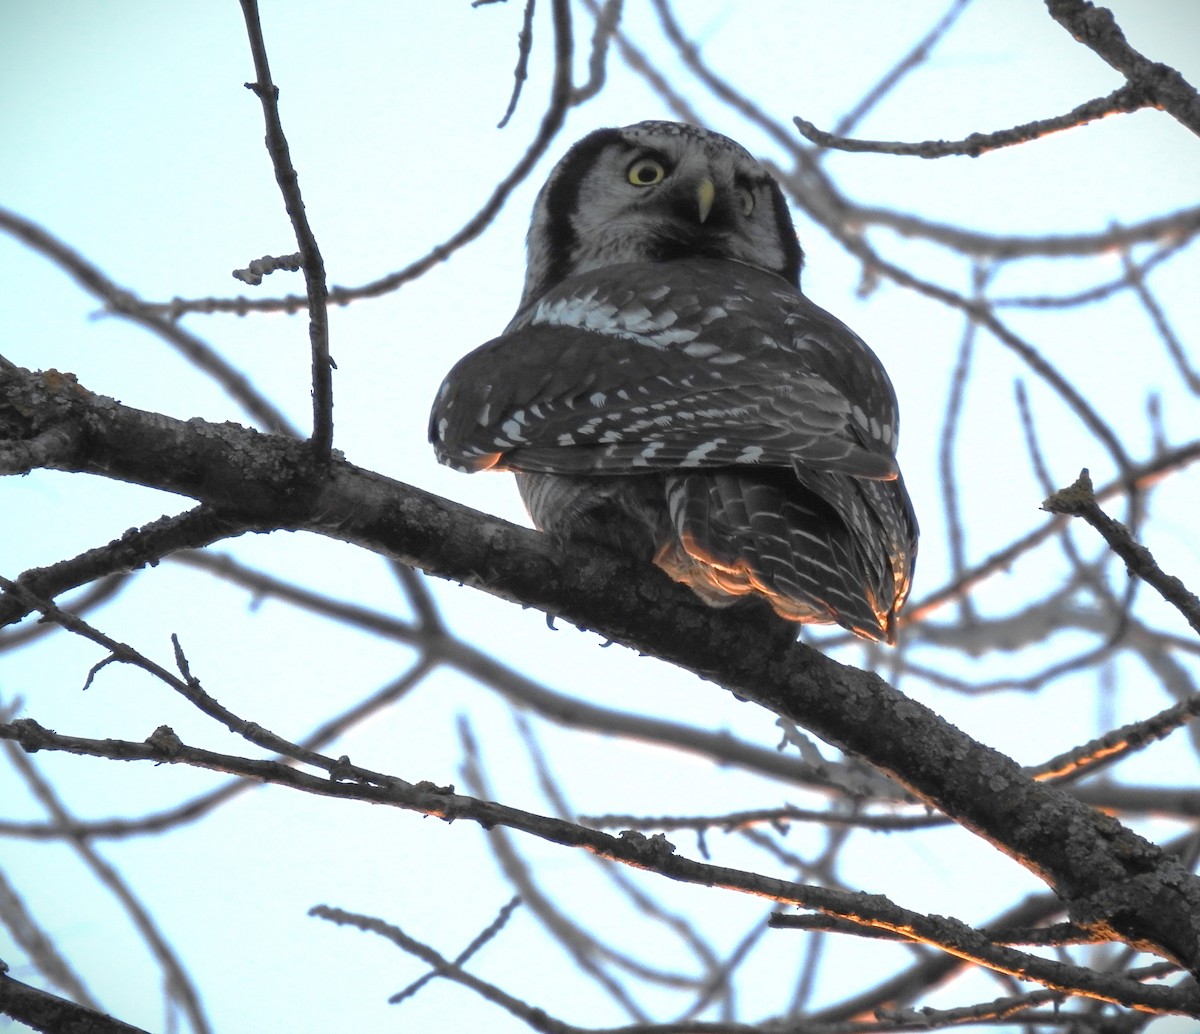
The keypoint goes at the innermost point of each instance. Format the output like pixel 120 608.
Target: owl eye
pixel 646 172
pixel 747 201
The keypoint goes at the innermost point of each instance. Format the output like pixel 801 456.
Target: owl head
pixel 653 192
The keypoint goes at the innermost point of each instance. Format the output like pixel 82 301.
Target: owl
pixel 666 391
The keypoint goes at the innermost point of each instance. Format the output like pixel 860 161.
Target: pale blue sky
pixel 126 131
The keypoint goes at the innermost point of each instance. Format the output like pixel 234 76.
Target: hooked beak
pixel 706 193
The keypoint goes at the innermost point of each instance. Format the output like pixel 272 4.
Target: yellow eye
pixel 646 172
pixel 747 200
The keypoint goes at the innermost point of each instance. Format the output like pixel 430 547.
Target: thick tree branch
pixel 1116 883
pixel 46 1012
pixel 1096 28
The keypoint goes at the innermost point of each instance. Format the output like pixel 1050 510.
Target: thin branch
pixel 931 969
pixel 723 747
pixel 521 72
pixel 1012 1009
pixel 982 312
pixel 1179 227
pixel 188 686
pixel 645 904
pixel 1059 934
pixel 485 935
pixel 443 967
pixel 98 593
pixel 586 951
pixel 642 64
pixel 1125 99
pixel 310 253
pixel 1142 476
pixel 179 985
pixel 1101 291
pixel 608 18
pixel 1135 276
pixel 1079 500
pixel 818 195
pixel 779 818
pixel 429 617
pixel 1119 744
pixel 135 549
pixel 561 97
pixel 651 853
pixel 37 945
pixel 261 267
pixel 956 538
pixel 123 303
pixel 907 64
pixel 195 809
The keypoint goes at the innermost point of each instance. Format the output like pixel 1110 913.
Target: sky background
pixel 126 130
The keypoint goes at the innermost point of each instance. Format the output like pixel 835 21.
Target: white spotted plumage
pixel 665 388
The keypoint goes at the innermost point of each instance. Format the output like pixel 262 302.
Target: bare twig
pixel 195 809
pixel 521 72
pixel 1100 291
pixel 608 17
pixel 561 98
pixel 1124 99
pixel 178 984
pixel 36 944
pixel 981 311
pixel 485 935
pixel 645 904
pixel 634 849
pixel 424 606
pixel 138 547
pixel 956 538
pixel 587 951
pixel 1135 277
pixel 254 272
pixel 1079 500
pixel 188 686
pixel 311 262
pixel 776 817
pixel 443 967
pixel 907 64
pixel 1143 476
pixel 641 63
pixel 1061 933
pixel 124 303
pixel 1013 1008
pixel 1117 744
pixel 727 749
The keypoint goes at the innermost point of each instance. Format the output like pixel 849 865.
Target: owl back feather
pixel 665 389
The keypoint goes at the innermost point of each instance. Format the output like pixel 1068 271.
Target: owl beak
pixel 706 193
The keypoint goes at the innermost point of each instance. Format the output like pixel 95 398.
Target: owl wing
pixel 689 364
